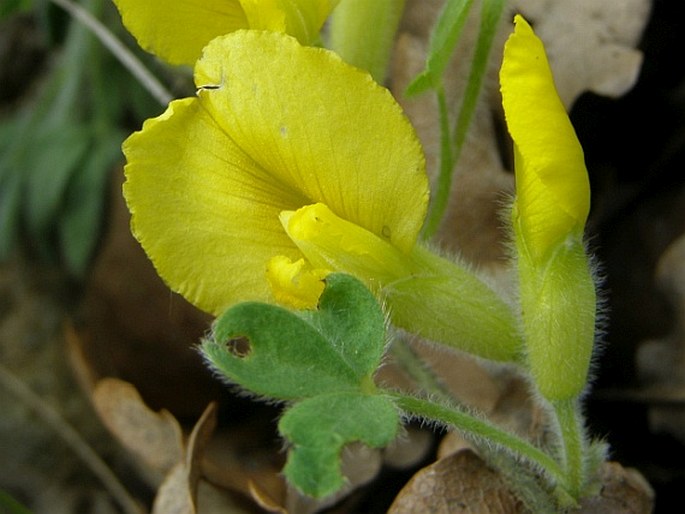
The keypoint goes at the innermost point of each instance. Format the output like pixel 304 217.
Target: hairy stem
pixel 573 444
pixel 484 431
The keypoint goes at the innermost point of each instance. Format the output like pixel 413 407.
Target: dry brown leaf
pixel 591 44
pixel 214 500
pixel 267 498
pixel 623 491
pixel 453 443
pixel 174 495
pixel 461 482
pixel 226 472
pixel 154 438
pixel 407 450
pixel 458 484
pixel 197 443
pixel 178 492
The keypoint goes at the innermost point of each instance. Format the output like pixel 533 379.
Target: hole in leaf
pixel 239 346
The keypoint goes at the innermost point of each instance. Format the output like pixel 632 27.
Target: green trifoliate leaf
pixel 320 427
pixel 324 360
pixel 290 355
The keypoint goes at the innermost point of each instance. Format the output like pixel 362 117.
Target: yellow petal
pixel 264 15
pixel 320 126
pixel 177 31
pixel 330 242
pixel 300 18
pixel 304 18
pixel 207 180
pixel 203 211
pixel 293 284
pixel 552 187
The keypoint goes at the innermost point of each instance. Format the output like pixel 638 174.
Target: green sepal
pixel 318 429
pixel 558 309
pixel 290 355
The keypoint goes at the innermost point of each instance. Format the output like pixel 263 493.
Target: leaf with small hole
pixel 322 360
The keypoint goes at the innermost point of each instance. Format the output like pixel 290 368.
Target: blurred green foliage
pixel 8 505
pixel 8 7
pixel 61 141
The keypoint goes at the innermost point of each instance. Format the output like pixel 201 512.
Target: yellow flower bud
pixel 556 287
pixel 552 187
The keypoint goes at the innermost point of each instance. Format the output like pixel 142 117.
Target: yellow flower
pixel 556 287
pixel 275 127
pixel 552 187
pixel 178 30
pixel 288 165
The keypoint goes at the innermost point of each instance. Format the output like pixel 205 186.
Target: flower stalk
pixel 574 445
pixel 484 431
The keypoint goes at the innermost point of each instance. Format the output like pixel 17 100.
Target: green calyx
pixel 558 309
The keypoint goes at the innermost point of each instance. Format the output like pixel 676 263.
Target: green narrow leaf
pixel 10 205
pixel 82 215
pixel 443 40
pixel 318 429
pixel 9 7
pixel 441 192
pixel 58 155
pixel 491 12
pixel 10 189
pixel 8 505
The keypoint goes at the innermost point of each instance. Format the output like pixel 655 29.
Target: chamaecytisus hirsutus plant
pixel 288 198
